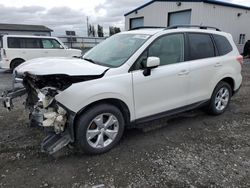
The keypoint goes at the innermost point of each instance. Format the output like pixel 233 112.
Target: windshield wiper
pixel 90 60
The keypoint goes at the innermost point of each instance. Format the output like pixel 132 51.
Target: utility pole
pixel 88 26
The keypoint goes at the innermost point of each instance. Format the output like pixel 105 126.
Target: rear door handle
pixel 218 65
pixel 183 72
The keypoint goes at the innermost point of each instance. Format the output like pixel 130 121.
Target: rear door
pixel 204 65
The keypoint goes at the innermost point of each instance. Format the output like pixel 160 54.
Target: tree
pixel 100 31
pixel 114 30
pixel 91 31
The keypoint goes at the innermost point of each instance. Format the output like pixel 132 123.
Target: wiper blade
pixel 90 60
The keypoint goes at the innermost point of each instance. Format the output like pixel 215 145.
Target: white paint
pixel 32 53
pixel 69 66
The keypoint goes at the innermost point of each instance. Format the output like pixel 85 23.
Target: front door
pixel 166 88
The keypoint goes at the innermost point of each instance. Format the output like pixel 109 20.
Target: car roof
pixel 28 36
pixel 153 31
pixel 150 31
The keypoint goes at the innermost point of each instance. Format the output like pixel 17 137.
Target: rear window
pixel 1 41
pixel 222 44
pixel 14 42
pixel 200 46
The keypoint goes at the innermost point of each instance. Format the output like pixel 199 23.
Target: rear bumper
pixel 4 64
pixel 237 90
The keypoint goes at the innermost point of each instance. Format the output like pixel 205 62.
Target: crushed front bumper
pixel 57 137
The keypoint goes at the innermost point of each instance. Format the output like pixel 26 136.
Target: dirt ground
pixel 190 150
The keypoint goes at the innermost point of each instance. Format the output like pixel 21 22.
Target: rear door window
pixel 200 46
pixel 222 44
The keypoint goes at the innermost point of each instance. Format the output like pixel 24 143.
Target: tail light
pixel 240 59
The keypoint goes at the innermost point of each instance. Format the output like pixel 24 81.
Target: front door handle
pixel 183 72
pixel 218 65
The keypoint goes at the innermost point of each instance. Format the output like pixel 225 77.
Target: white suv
pixel 16 49
pixel 130 78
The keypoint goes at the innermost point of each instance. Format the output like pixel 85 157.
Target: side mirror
pixel 152 62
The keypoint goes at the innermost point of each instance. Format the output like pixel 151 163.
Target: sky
pixel 61 15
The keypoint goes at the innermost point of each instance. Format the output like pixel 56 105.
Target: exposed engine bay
pixel 44 111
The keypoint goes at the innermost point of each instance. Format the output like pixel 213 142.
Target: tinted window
pixel 51 43
pixel 1 41
pixel 170 49
pixel 30 43
pixel 200 46
pixel 222 44
pixel 14 42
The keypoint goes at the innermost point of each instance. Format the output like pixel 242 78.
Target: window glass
pixel 14 42
pixel 170 49
pixel 30 43
pixel 242 38
pixel 200 46
pixel 1 41
pixel 50 44
pixel 116 50
pixel 222 44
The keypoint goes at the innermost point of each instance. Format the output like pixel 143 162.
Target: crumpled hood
pixel 60 65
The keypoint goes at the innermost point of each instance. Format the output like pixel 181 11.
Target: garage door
pixel 136 22
pixel 179 18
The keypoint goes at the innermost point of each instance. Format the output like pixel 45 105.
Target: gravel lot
pixel 190 150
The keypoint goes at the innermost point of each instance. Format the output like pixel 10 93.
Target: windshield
pixel 116 50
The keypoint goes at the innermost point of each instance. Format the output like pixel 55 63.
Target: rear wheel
pixel 16 63
pixel 220 99
pixel 99 129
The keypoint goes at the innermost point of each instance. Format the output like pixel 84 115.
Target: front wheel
pixel 99 129
pixel 220 98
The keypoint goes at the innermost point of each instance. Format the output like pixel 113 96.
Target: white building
pixel 228 17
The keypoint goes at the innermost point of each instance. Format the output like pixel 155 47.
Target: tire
pixel 220 98
pixel 92 123
pixel 15 63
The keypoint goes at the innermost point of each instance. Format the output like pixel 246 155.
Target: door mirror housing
pixel 152 62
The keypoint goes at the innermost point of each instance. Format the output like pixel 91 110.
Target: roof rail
pixel 196 26
pixel 148 27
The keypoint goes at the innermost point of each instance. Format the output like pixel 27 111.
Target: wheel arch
pixel 14 60
pixel 227 79
pixel 122 106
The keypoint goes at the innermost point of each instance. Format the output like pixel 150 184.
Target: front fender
pixel 82 94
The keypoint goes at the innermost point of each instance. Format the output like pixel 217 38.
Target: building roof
pixel 216 2
pixel 22 27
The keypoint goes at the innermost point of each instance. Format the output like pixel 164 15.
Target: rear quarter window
pixel 222 44
pixel 200 46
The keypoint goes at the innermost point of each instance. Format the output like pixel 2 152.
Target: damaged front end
pixel 44 111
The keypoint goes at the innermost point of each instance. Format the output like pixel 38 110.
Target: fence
pixel 81 42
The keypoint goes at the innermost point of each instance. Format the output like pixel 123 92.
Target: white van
pixel 16 49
